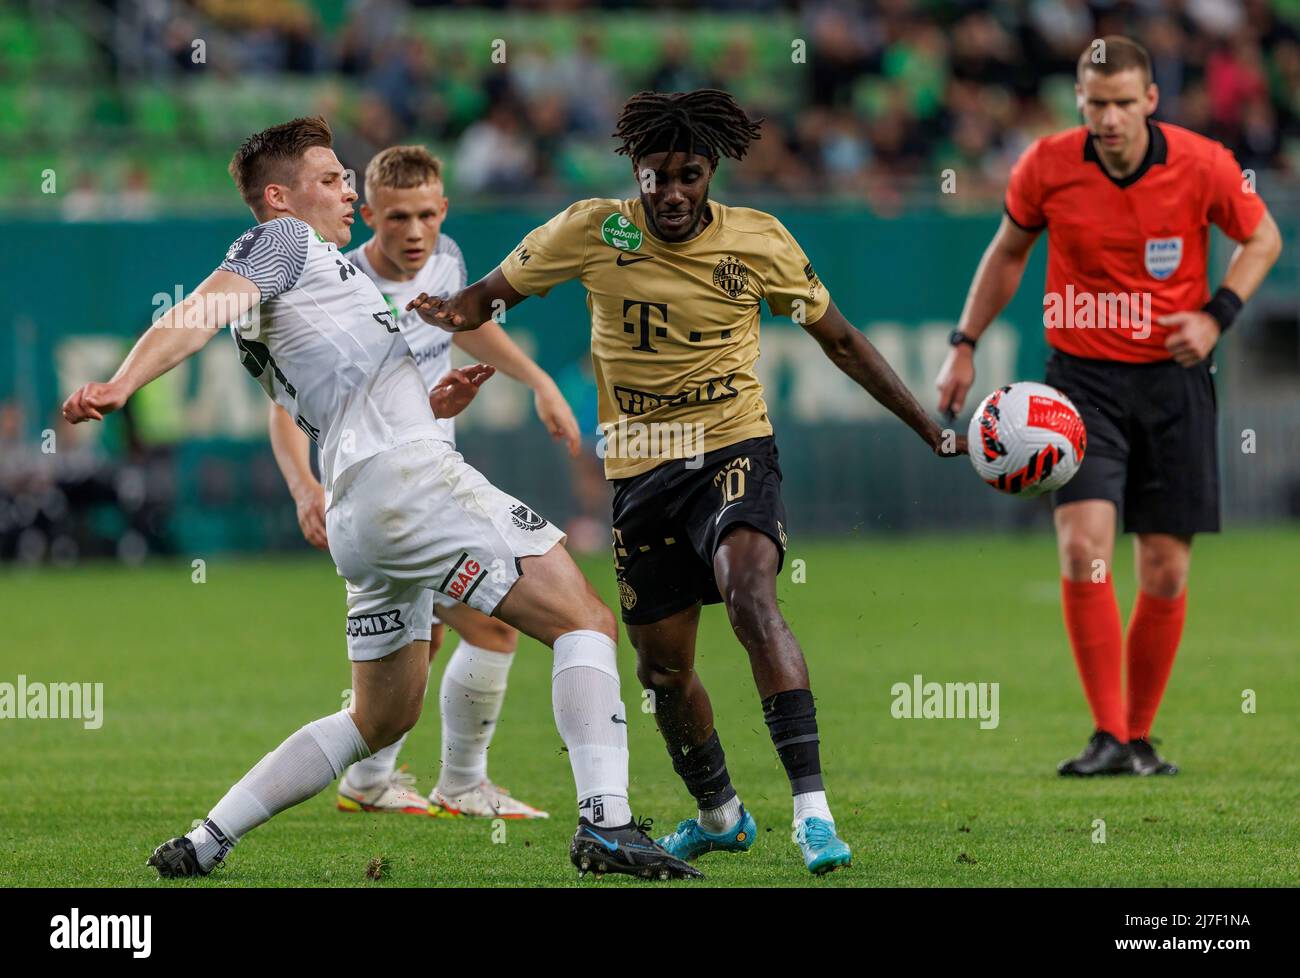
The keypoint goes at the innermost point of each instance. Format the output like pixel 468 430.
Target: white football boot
pixel 484 800
pixel 397 794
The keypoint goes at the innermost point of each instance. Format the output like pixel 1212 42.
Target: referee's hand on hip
pixel 1192 336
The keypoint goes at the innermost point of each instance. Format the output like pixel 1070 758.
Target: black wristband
pixel 1224 306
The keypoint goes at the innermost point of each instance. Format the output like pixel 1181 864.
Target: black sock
pixel 703 769
pixel 792 721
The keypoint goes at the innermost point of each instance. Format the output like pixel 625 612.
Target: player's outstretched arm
pixel 491 344
pixel 183 331
pixel 292 450
pixel 470 307
pixel 854 354
pixel 995 282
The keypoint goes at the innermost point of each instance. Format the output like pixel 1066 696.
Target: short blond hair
pixel 402 167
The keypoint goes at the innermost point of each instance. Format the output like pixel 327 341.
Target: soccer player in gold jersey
pixel 674 284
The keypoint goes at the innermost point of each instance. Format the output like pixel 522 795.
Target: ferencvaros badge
pixel 731 276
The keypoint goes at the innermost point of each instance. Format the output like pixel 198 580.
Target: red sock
pixel 1092 622
pixel 1153 634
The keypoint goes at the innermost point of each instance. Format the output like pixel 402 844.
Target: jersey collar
pixel 1157 152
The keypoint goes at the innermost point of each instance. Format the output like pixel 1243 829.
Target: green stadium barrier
pixel 82 292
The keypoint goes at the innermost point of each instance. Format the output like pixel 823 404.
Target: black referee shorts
pixel 1152 449
pixel 669 521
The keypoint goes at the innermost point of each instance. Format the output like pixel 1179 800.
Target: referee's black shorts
pixel 1152 449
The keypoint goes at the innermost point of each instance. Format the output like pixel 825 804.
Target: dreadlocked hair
pixel 707 115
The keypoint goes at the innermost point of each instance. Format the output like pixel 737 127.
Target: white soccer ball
pixel 1026 439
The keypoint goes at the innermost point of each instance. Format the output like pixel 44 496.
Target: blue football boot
pixel 822 849
pixel 689 840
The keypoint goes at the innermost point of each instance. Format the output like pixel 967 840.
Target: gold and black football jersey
pixel 674 326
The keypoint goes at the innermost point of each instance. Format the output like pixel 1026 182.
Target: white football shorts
pixel 436 600
pixel 418 524
pixel 426 616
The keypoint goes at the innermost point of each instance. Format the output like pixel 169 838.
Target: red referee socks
pixel 1153 635
pixel 1092 622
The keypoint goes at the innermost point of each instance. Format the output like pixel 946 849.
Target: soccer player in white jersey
pixel 404 512
pixel 409 254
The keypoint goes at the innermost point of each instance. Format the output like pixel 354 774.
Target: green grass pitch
pixel 202 679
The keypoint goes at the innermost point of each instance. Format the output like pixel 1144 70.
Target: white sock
pixel 303 766
pixel 812 803
pixel 592 724
pixel 473 689
pixel 720 819
pixel 372 771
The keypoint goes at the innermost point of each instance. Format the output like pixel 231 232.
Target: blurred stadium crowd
pixel 137 105
pixel 143 100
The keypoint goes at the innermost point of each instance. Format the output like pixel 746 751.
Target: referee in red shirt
pixel 1127 204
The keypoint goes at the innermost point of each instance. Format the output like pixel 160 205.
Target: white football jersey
pixel 442 275
pixel 326 347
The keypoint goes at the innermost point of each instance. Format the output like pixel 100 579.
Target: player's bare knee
pixel 596 616
pixel 1163 578
pixel 377 731
pixel 1082 555
pixel 380 737
pixel 663 679
pixel 1163 563
pixel 1167 584
pixel 583 615
pixel 572 603
pixel 496 636
pixel 753 612
pixel 609 622
pixel 397 720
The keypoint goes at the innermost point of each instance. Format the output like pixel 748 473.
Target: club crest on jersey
pixel 1163 256
pixel 618 232
pixel 731 276
pixel 526 519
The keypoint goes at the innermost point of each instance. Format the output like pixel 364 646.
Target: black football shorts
pixel 1151 441
pixel 669 521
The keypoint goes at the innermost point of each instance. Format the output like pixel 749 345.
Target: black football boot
pixel 625 849
pixel 1146 761
pixel 1104 755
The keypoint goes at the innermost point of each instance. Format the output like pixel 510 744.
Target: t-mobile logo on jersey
pixel 1098 310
